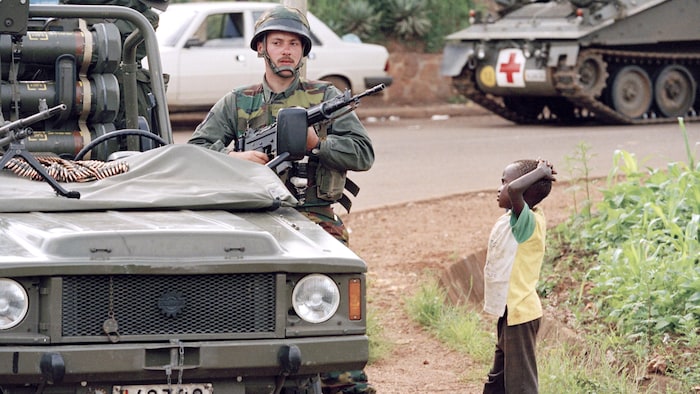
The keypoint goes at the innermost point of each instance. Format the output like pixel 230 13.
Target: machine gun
pixel 286 139
pixel 21 125
pixel 14 134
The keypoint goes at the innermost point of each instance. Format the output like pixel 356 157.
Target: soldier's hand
pixel 311 138
pixel 251 155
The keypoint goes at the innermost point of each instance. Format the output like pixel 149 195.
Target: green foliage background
pixel 636 258
pixel 645 231
pixel 415 23
pixel 418 24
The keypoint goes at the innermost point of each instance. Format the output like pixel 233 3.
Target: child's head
pixel 538 190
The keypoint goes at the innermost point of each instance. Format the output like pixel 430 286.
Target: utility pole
pixel 298 4
pixel 301 6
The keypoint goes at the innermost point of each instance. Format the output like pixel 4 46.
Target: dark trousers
pixel 514 369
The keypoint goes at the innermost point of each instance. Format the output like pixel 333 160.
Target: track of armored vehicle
pixel 582 93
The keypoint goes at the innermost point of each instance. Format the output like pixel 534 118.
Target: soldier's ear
pixel 261 46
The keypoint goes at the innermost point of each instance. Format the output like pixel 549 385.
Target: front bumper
pixel 225 361
pixel 371 82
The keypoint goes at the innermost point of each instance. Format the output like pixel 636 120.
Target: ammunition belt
pixel 67 170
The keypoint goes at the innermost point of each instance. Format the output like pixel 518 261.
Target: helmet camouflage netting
pixel 281 18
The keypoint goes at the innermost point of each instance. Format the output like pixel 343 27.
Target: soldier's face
pixel 284 49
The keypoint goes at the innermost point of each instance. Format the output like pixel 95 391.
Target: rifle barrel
pixel 373 90
pixel 22 123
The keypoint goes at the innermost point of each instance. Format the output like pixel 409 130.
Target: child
pixel 513 261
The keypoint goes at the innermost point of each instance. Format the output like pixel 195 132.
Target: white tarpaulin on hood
pixel 170 177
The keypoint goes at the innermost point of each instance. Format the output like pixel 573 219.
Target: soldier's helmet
pixel 157 4
pixel 281 18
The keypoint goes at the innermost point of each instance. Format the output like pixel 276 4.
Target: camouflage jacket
pixel 347 145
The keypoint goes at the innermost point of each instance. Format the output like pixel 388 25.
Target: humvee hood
pixel 176 204
pixel 172 177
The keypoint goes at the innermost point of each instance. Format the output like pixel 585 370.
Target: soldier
pixel 282 37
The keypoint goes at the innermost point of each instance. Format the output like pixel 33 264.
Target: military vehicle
pixel 614 62
pixel 129 264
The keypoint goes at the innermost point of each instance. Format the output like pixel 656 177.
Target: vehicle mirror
pixel 193 42
pixel 291 132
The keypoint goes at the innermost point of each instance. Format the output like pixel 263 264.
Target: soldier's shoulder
pixel 313 86
pixel 249 90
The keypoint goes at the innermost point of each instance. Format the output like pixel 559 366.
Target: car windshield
pixel 172 25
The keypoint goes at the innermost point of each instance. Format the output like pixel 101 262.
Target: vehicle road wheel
pixel 338 82
pixel 632 91
pixel 592 74
pixel 674 91
pixel 529 108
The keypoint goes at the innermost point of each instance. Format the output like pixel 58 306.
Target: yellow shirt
pixel 513 263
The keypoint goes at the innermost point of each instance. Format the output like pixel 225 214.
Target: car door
pixel 216 58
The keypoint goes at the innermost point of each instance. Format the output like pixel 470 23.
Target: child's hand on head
pixel 548 167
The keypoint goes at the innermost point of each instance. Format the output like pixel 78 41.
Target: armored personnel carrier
pixel 129 264
pixel 615 62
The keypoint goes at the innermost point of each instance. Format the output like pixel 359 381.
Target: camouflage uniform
pixel 345 147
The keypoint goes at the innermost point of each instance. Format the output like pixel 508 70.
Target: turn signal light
pixel 355 299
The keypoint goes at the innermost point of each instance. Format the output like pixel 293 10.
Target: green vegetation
pixel 416 23
pixel 627 271
pixel 379 347
pixel 456 326
pixel 634 270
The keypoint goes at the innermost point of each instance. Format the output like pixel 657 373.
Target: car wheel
pixel 339 82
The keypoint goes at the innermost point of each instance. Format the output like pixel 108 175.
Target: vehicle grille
pixel 169 305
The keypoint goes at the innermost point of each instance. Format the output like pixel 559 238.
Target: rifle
pixel 21 125
pixel 286 139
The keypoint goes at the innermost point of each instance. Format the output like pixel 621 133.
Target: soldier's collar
pixel 272 96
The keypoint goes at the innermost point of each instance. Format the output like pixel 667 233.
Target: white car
pixel 205 48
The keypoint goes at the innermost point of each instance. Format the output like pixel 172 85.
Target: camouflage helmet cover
pixel 281 18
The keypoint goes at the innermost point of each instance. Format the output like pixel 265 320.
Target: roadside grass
pixel 455 325
pixel 379 346
pixel 562 369
pixel 626 274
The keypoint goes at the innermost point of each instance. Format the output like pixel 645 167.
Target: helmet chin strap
pixel 283 71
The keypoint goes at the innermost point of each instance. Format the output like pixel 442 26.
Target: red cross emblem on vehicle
pixel 510 69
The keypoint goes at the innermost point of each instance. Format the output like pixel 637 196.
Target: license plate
pixel 200 388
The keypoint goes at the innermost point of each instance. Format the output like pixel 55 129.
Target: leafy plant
pixel 406 19
pixel 359 17
pixel 639 255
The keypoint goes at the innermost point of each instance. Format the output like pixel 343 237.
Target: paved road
pixel 418 159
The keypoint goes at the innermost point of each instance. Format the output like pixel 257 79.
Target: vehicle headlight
pixel 14 303
pixel 316 298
